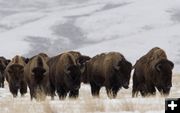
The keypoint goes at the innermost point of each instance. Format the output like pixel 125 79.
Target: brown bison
pixel 111 70
pixel 64 75
pixel 152 71
pixel 80 59
pixel 15 75
pixel 3 63
pixel 37 74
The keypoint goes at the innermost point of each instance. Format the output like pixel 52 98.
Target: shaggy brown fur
pixel 152 70
pixel 3 63
pixel 64 75
pixel 111 70
pixel 15 76
pixel 37 74
pixel 79 58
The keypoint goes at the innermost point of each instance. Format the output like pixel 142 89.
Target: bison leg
pixel 134 92
pixel 13 90
pixel 109 93
pixel 151 90
pixel 1 85
pixel 112 92
pixel 95 89
pixel 115 90
pixel 2 82
pixel 61 93
pixel 74 94
pixel 23 88
pixel 32 92
pixel 52 91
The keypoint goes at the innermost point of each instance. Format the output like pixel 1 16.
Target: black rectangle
pixel 172 105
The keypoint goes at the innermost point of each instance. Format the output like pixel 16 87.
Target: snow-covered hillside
pixel 131 27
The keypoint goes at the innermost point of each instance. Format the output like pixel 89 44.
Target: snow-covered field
pixel 124 103
pixel 131 27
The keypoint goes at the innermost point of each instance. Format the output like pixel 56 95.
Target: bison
pixel 15 75
pixel 80 59
pixel 64 75
pixel 37 76
pixel 152 71
pixel 111 70
pixel 3 63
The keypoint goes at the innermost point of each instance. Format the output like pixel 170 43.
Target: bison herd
pixel 63 74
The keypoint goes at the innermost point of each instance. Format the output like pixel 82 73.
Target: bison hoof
pixel 14 95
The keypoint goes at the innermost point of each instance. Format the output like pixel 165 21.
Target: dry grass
pixel 87 104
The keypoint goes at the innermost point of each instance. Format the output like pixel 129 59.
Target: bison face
pixel 16 75
pixel 123 71
pixel 163 78
pixel 38 74
pixel 72 78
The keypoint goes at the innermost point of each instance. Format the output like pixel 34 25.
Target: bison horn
pixel 116 67
pixel 66 70
pixel 158 67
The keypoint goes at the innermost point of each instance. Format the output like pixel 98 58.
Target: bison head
pixel 123 72
pixel 72 78
pixel 38 74
pixel 163 76
pixel 16 75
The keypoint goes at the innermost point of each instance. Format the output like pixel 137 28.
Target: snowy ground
pixel 131 27
pixel 124 103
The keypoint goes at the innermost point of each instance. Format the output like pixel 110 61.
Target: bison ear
pixel 7 62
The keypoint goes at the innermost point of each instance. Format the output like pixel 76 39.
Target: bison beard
pixel 152 71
